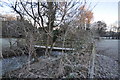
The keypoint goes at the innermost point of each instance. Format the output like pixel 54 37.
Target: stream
pixel 14 63
pixel 106 62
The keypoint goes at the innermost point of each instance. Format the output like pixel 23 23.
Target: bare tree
pixel 47 14
pixel 59 21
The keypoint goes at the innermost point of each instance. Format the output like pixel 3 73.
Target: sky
pixel 105 10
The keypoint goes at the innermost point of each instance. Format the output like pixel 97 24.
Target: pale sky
pixel 105 10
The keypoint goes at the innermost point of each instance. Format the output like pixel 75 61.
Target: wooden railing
pixel 91 72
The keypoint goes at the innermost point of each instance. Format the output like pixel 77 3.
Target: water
pixel 10 63
pixel 111 47
pixel 5 42
pixel 13 63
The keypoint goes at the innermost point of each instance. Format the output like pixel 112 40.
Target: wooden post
pixel 1 50
pixel 92 61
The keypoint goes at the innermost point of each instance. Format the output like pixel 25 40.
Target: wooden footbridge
pixel 55 48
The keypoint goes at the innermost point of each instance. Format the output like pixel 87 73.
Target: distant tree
pixel 101 28
pixel 85 16
pixel 9 17
pixel 14 29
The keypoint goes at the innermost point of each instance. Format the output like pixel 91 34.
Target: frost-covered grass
pixel 72 65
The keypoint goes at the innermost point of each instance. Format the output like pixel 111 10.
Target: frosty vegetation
pixel 50 24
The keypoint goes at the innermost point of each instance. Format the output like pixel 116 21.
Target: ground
pixel 106 61
pixel 66 66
